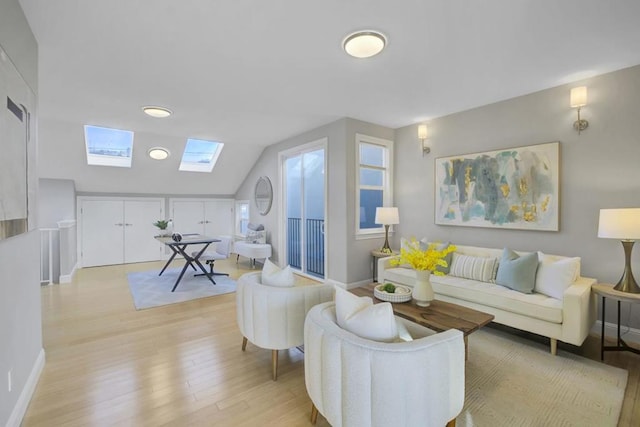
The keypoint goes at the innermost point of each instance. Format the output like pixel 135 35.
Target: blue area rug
pixel 150 290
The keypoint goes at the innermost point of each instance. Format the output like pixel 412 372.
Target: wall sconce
pixel 422 135
pixel 579 100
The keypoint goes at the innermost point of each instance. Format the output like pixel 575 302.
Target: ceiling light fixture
pixel 155 111
pixel 364 44
pixel 158 153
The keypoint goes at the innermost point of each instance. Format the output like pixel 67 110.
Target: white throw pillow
pixel 361 317
pixel 473 267
pixel 554 276
pixel 272 275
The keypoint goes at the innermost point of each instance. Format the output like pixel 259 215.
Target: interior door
pixel 188 217
pixel 102 232
pixel 139 215
pixel 219 218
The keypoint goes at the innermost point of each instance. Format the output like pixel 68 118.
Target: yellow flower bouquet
pixel 428 259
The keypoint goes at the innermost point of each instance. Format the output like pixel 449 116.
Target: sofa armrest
pixel 578 311
pixel 383 264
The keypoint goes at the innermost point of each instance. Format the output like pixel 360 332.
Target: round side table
pixel 605 290
pixel 375 254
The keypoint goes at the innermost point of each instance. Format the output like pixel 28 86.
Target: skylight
pixel 108 147
pixel 200 155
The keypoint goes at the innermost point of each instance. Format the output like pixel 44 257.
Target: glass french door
pixel 304 189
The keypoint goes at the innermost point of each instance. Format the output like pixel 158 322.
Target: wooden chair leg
pixel 452 423
pixel 554 346
pixel 314 414
pixel 244 343
pixel 274 364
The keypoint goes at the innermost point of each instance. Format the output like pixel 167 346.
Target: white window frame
pixel 387 186
pixel 239 203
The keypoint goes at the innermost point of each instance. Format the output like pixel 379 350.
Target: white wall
pixel 145 175
pixel 349 260
pixel 20 309
pixel 598 169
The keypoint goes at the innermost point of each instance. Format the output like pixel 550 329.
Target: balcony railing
pixel 314 245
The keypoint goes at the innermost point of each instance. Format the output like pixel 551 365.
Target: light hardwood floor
pixel 182 364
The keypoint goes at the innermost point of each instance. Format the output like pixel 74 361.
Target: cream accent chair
pixel 354 381
pixel 272 317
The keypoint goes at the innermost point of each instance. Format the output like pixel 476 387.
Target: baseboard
pixel 630 335
pixel 349 285
pixel 27 392
pixel 68 278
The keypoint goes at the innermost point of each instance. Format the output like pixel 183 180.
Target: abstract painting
pixel 513 188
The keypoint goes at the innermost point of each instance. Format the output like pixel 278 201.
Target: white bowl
pixel 402 293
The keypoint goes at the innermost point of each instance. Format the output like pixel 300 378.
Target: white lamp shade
pixel 422 131
pixel 387 216
pixel 578 97
pixel 622 224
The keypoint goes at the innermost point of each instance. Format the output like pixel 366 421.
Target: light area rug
pixel 512 381
pixel 150 290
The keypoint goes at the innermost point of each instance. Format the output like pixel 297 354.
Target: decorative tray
pixel 401 294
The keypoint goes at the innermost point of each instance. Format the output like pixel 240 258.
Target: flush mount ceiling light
pixel 158 153
pixel 364 44
pixel 155 111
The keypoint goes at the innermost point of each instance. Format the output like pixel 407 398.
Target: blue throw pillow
pixel 517 272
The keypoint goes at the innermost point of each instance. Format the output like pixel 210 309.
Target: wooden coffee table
pixel 439 316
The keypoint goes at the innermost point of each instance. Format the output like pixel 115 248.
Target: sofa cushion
pixel 554 275
pixel 517 272
pixel 448 258
pixel 400 276
pixel 537 306
pixel 361 317
pixel 472 267
pixel 272 275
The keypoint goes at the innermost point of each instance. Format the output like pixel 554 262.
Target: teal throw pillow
pixel 447 258
pixel 517 272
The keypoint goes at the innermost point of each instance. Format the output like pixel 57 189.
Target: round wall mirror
pixel 263 195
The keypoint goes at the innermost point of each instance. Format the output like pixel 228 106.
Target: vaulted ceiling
pixel 250 73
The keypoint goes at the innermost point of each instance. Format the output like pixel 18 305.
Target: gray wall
pixel 598 169
pixel 20 309
pixel 57 201
pixel 348 259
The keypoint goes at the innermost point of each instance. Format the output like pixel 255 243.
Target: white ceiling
pixel 250 73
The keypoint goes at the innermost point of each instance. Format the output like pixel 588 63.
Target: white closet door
pixel 188 217
pixel 219 218
pixel 139 216
pixel 102 232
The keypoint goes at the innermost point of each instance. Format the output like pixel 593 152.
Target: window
pixel 374 159
pixel 108 147
pixel 242 217
pixel 200 155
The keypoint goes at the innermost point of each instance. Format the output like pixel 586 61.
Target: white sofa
pixel 568 320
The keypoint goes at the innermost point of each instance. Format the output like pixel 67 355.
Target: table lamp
pixel 623 224
pixel 387 217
